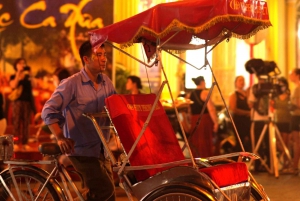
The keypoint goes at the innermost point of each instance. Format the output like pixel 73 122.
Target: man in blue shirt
pixel 84 92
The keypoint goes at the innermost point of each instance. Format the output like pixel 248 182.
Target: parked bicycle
pixel 25 180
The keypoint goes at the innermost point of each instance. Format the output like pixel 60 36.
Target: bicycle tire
pixel 176 193
pixel 29 184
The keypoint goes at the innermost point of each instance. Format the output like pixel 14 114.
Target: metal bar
pixel 159 46
pixel 227 109
pixel 102 138
pixel 177 115
pixel 28 162
pixel 5 186
pixel 272 140
pixel 286 150
pixel 46 182
pixel 255 151
pixel 61 175
pixel 116 133
pixel 145 167
pixel 74 187
pixel 15 182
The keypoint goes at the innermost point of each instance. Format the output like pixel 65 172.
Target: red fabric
pixel 158 143
pixel 205 19
pixel 227 174
pixel 201 141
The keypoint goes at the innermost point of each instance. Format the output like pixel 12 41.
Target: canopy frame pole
pixel 158 52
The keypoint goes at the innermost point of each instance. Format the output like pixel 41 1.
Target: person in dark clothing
pixel 24 104
pixel 239 108
pixel 3 122
pixel 201 136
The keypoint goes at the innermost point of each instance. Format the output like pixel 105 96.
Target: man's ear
pixel 86 59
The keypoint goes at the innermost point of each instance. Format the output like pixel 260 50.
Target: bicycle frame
pixel 58 170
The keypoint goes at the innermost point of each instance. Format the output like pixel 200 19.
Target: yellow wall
pixel 122 10
pixel 291 34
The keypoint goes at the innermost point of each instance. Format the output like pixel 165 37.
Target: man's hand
pixel 66 145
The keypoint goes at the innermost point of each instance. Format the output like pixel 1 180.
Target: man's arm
pixel 52 115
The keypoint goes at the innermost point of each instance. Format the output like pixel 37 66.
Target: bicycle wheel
pixel 176 194
pixel 30 185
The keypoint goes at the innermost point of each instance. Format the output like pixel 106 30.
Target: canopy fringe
pixel 175 24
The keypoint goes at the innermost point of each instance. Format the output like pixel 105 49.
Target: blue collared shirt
pixel 73 97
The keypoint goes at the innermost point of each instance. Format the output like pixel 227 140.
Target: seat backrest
pixel 158 144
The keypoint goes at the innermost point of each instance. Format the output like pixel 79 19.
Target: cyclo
pixel 151 150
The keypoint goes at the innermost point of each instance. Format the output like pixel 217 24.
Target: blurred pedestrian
pixel 23 105
pixel 134 84
pixel 3 122
pixel 238 106
pixel 282 117
pixel 201 135
pixel 295 122
pixel 60 74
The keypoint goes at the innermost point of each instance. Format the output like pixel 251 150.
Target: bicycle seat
pixel 49 148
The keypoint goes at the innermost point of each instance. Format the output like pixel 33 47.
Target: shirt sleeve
pixel 53 109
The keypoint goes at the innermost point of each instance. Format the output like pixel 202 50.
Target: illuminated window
pixel 197 58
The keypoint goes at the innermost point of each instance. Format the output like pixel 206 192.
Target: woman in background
pixel 283 117
pixel 24 104
pixel 240 111
pixel 134 84
pixel 201 136
pixel 3 122
pixel 295 122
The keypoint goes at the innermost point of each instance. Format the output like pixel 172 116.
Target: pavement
pixel 284 188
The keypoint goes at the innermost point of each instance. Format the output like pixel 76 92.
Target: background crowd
pixel 249 109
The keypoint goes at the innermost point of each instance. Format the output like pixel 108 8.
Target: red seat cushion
pixel 227 174
pixel 158 143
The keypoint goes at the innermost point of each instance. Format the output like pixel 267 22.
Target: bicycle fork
pixel 64 175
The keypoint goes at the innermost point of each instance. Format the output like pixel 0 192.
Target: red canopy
pixel 205 19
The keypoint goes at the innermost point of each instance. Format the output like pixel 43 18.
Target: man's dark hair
pixel 85 50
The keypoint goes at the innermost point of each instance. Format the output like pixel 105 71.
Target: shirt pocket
pixel 81 104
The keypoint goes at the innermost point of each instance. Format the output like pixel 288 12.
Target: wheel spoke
pixel 30 185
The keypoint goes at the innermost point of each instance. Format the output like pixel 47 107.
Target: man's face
pixel 98 61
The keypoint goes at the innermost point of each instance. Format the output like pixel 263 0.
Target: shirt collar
pixel 86 78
